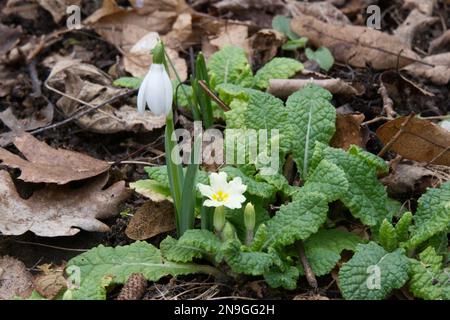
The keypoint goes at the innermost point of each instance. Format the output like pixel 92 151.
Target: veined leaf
pixel 373 273
pixel 277 68
pixel 103 266
pixel 230 65
pixel 387 236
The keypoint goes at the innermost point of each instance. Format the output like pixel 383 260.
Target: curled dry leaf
pixel 50 282
pixel 412 179
pixel 355 45
pixel 415 22
pixel 45 164
pixel 151 219
pixel 59 211
pixel 138 60
pixel 265 44
pixel 441 43
pixel 322 10
pixel 57 8
pixel 421 140
pixel 233 35
pixel 439 73
pixel 285 87
pixel 15 279
pixel 89 84
pixel 348 131
pixel 424 6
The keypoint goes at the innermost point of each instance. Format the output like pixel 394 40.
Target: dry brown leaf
pixel 234 35
pixel 59 210
pixel 424 6
pixel 415 22
pixel 409 179
pixel 242 5
pixel 348 131
pixel 355 45
pixel 283 88
pixel 441 43
pixel 151 219
pixel 138 60
pixel 421 140
pixel 45 164
pixel 322 10
pixel 57 8
pixel 149 6
pixel 10 37
pixel 38 119
pixel 265 44
pixel 181 31
pixel 50 282
pixel 27 9
pixel 439 74
pixel 15 279
pixel 90 84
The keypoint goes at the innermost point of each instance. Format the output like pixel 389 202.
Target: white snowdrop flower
pixel 156 91
pixel 223 193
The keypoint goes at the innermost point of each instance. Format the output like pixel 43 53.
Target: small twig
pixel 50 246
pixel 438 156
pixel 36 83
pixel 83 112
pixel 131 162
pixel 309 273
pixel 396 136
pixel 443 117
pixel 213 96
pixel 388 103
pixel 376 119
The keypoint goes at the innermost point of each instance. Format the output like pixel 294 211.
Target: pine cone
pixel 134 288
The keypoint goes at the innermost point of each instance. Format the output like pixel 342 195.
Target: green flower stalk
pixel 228 232
pixel 219 219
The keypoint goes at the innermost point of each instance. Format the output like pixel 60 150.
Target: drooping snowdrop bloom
pixel 156 89
pixel 223 193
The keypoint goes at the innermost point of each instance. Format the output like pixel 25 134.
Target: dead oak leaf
pixel 49 165
pixel 421 140
pixel 59 211
pixel 436 69
pixel 355 45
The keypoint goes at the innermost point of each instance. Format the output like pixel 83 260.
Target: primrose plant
pixel 264 225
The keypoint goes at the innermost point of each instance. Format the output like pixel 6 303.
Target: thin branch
pixel 309 273
pixel 83 112
pixel 213 96
pixel 396 136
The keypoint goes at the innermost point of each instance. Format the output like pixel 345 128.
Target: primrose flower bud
pixel 219 219
pixel 249 217
pixel 228 232
pixel 156 89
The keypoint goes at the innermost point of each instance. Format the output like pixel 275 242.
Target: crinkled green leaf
pixel 296 220
pixel 252 263
pixel 230 65
pixel 387 236
pixel 372 160
pixel 366 197
pixel 292 45
pixel 128 82
pixel 286 279
pixel 322 56
pixel 324 248
pixel 103 266
pixel 311 118
pixel 372 273
pixel 257 188
pixel 403 225
pixel 152 189
pixel 429 279
pixel 432 215
pixel 192 244
pixel 277 68
pixel 327 179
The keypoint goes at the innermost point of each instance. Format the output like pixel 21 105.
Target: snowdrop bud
pixel 156 89
pixel 249 217
pixel 219 219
